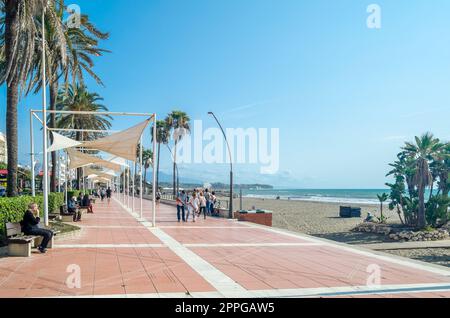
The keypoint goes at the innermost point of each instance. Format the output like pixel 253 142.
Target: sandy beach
pixel 322 220
pixel 314 218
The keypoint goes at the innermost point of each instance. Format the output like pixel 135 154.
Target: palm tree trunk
pixel 421 222
pixel 52 124
pixel 12 139
pixel 12 99
pixel 157 166
pixel 79 170
pixel 174 168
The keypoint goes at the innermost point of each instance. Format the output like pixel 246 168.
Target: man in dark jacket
pixel 30 226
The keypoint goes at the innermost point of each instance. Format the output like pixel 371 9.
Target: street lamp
pixel 176 167
pixel 230 212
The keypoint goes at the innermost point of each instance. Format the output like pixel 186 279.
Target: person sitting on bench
pixel 30 226
pixel 73 209
pixel 87 203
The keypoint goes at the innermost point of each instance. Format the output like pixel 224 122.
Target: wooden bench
pixel 20 244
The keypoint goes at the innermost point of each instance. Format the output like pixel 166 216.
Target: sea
pixel 352 196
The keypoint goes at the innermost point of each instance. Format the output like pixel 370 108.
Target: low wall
pixel 257 218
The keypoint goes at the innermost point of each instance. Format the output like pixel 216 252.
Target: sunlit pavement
pixel 117 254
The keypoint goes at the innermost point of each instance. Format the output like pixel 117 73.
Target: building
pixel 3 149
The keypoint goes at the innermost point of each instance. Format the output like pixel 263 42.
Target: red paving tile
pixel 307 267
pixel 228 235
pixel 133 270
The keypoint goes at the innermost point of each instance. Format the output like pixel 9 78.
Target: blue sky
pixel 344 97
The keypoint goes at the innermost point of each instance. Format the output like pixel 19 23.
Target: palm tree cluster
pixel 69 52
pixel 420 166
pixel 175 126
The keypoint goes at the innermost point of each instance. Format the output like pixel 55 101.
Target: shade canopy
pixel 79 159
pixel 122 144
pixel 61 142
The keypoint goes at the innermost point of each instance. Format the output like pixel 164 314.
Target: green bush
pixel 71 194
pixel 12 209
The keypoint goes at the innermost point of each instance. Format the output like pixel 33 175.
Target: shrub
pixel 12 209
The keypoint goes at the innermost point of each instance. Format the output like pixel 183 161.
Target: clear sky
pixel 345 97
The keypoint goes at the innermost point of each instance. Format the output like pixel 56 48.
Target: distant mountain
pixel 164 177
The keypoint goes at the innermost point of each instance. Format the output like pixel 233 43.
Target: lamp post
pixel 176 167
pixel 44 116
pixel 230 212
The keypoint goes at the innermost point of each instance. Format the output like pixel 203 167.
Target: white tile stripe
pixel 109 226
pixel 253 245
pixel 221 282
pixel 108 245
pixel 357 250
pixel 224 284
pixel 300 292
pixel 204 227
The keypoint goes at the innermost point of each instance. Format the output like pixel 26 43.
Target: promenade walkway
pixel 116 254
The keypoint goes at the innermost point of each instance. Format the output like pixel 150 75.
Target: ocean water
pixel 352 196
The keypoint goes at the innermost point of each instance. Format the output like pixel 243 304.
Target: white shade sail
pixel 61 142
pixel 122 144
pixel 79 159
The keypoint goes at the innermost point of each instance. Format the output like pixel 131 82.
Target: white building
pixel 3 149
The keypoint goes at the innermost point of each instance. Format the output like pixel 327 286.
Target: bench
pixel 20 244
pixel 66 216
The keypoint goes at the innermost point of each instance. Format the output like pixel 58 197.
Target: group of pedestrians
pixel 194 204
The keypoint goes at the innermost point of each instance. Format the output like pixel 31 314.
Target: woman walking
pixel 202 200
pixel 193 206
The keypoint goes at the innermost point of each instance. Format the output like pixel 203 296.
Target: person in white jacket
pixel 193 206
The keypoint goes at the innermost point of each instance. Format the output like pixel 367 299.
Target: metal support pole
pixel 154 172
pixel 133 175
pixel 128 185
pixel 44 119
pixel 140 181
pixel 33 181
pixel 66 178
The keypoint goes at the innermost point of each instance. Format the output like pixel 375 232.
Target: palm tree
pixel 162 137
pixel 424 150
pixel 82 43
pixel 78 98
pixel 382 198
pixel 177 121
pixel 20 37
pixel 147 156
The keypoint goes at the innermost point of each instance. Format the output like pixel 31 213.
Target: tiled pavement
pixel 119 255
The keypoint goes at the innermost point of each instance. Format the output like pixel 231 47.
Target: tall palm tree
pixel 21 35
pixel 147 156
pixel 424 150
pixel 78 98
pixel 162 137
pixel 178 122
pixel 82 44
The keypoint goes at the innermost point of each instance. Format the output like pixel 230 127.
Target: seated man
pixel 73 209
pixel 30 226
pixel 87 203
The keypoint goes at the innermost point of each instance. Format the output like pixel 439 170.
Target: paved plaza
pixel 117 254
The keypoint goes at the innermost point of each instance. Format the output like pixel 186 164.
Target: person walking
pixel 193 206
pixel 181 203
pixel 202 200
pixel 108 195
pixel 208 201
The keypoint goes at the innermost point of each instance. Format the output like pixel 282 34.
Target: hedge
pixel 12 209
